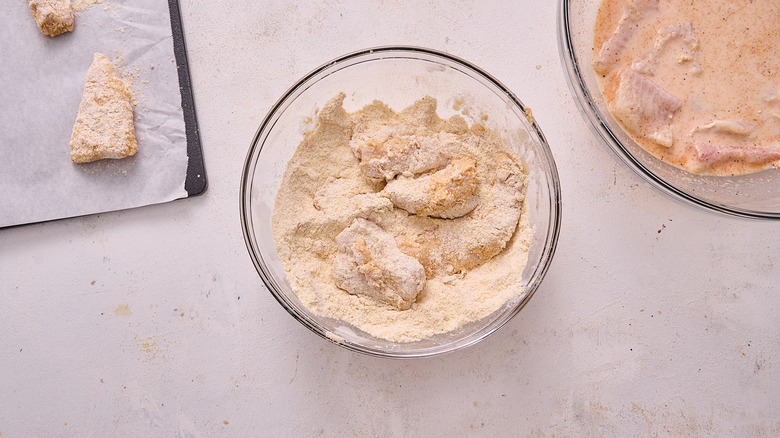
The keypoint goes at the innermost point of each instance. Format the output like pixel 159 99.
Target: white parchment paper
pixel 41 82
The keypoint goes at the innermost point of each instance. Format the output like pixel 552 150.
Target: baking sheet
pixel 43 79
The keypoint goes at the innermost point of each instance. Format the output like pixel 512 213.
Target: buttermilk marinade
pixel 696 83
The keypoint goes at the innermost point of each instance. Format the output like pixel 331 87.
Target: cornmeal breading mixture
pixel 402 224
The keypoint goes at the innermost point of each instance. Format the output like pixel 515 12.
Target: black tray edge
pixel 195 182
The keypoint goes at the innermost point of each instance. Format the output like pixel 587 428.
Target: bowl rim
pixel 597 124
pixel 536 277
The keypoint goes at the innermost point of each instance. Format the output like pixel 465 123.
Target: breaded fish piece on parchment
pixel 52 16
pixel 104 126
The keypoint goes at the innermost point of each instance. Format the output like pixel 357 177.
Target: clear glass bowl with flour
pixel 755 195
pixel 399 76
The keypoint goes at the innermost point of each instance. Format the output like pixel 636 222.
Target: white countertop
pixel 655 319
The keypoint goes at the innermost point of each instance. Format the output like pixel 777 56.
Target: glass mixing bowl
pixel 756 195
pixel 398 76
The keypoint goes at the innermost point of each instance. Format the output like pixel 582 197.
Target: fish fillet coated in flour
pixel 368 262
pixel 447 193
pixel 402 149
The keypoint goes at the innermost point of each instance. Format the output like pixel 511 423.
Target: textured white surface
pixel 655 318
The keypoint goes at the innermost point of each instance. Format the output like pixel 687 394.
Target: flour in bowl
pixel 403 224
